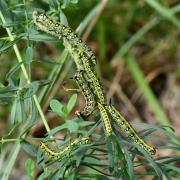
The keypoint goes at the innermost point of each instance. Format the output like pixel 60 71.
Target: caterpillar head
pixel 85 140
pixel 152 151
pixel 39 17
pixel 43 21
pixel 42 145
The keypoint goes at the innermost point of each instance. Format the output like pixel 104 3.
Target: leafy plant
pixel 33 83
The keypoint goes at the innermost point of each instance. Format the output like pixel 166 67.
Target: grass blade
pixel 164 12
pixel 146 90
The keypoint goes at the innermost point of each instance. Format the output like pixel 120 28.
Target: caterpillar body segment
pixel 88 95
pixel 58 29
pixel 51 153
pixel 66 151
pixel 97 87
pixel 106 120
pixel 126 127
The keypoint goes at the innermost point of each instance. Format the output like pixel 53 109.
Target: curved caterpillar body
pixel 106 120
pixel 98 89
pixel 58 29
pixel 59 155
pixel 91 77
pixel 126 127
pixel 88 95
pixel 79 50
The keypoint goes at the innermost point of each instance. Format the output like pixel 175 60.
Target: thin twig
pixel 94 20
pixel 126 100
pixel 115 81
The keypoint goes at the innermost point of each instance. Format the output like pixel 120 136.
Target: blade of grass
pixel 138 35
pixel 102 40
pixel 146 90
pixel 11 160
pixel 164 12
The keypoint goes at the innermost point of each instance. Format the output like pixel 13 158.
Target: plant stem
pixel 2 141
pixel 19 58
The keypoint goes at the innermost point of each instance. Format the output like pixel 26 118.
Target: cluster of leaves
pixel 105 158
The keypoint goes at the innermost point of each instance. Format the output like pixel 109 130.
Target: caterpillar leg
pixel 69 89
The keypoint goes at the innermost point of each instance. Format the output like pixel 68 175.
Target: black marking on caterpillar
pixel 57 29
pixel 59 155
pixel 126 127
pixel 106 120
pixel 88 95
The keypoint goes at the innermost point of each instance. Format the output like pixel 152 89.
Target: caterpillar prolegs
pixel 57 29
pixel 126 127
pixel 62 154
pixel 86 91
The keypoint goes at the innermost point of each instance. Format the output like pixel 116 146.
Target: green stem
pixel 25 73
pixel 2 141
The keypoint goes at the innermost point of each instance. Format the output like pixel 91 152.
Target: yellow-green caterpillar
pixel 65 152
pixel 91 77
pixel 106 120
pixel 126 127
pixel 88 95
pixel 82 54
pixel 58 29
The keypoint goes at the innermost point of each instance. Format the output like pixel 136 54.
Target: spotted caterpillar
pixel 106 120
pixel 126 127
pixel 58 29
pixel 62 154
pixel 88 95
pixel 81 53
pixel 91 77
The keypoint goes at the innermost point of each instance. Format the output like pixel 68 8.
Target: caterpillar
pixel 126 127
pixel 58 29
pixel 91 76
pixel 88 95
pixel 79 48
pixel 62 154
pixel 106 120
